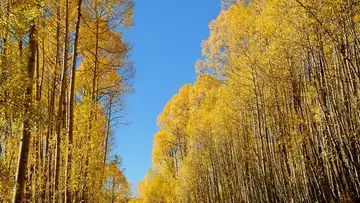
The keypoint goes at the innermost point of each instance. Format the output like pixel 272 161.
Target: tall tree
pixel 26 133
pixel 68 197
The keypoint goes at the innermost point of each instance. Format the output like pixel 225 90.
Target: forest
pixel 64 70
pixel 273 116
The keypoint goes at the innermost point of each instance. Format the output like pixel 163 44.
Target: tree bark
pixel 25 137
pixel 71 108
pixel 60 120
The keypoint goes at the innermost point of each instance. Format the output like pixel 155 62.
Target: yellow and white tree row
pixel 64 70
pixel 274 115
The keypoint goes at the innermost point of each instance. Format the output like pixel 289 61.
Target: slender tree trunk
pixel 60 120
pixel 71 108
pixel 108 130
pixel 25 137
pixel 84 193
pixel 46 190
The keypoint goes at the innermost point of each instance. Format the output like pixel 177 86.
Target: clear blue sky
pixel 167 42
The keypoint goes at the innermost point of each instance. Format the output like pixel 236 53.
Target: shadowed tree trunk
pixel 71 108
pixel 60 119
pixel 25 137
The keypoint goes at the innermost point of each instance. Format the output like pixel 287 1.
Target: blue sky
pixel 167 42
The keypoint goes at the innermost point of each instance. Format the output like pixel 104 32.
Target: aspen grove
pixel 274 115
pixel 64 71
